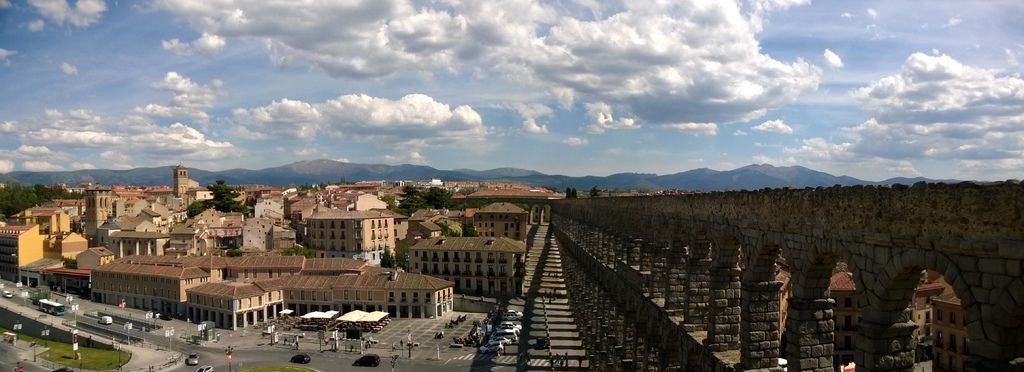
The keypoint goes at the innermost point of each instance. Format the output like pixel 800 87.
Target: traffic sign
pixel 128 326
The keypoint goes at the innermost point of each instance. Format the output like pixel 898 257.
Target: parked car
pixel 192 360
pixel 205 369
pixel 489 348
pixel 505 340
pixel 512 315
pixel 301 358
pixel 164 316
pixel 8 294
pixel 508 333
pixel 368 360
pixel 543 343
pixel 509 324
pixel 64 369
pixel 106 320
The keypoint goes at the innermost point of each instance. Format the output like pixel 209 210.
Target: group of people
pixel 561 361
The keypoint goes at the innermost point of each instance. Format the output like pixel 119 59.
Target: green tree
pixel 391 200
pixel 450 231
pixel 234 253
pixel 15 197
pixel 386 259
pixel 299 251
pixel 224 198
pixel 196 208
pixel 70 263
pixel 468 230
pixel 594 192
pixel 437 198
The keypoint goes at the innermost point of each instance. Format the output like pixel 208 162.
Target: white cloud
pixel 116 160
pixel 663 62
pixel 530 113
pixel 871 12
pixel 36 25
pixel 136 135
pixel 285 118
pixel 696 129
pixel 8 127
pixel 832 59
pixel 206 44
pixel 773 126
pixel 601 119
pixel 953 22
pixel 5 4
pixel 415 119
pixel 820 153
pixel 81 165
pixel 68 69
pixel 530 126
pixel 575 141
pixel 846 15
pixel 740 132
pixel 40 166
pixel 83 14
pixel 190 99
pixel 33 150
pixel 6 166
pixel 4 54
pixel 412 157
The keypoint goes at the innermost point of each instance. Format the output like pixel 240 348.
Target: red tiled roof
pixel 842 281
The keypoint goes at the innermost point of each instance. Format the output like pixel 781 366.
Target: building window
pixel 952 317
pixel 938 314
pixel 848 302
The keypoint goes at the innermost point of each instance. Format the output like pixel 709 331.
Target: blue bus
pixel 51 307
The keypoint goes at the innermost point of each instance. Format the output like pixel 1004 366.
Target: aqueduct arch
pixel 698 270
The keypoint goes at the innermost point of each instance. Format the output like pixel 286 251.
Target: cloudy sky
pixel 871 89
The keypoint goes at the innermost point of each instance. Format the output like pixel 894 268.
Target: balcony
pixel 479 260
pixel 456 259
pixel 445 259
pixel 446 272
pixel 502 260
pixel 490 273
pixel 479 273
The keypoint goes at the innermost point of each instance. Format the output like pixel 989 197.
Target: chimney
pixel 392 275
pixel 490 241
pixel 440 241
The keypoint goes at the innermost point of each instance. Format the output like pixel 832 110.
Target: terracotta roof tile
pixel 501 208
pixel 501 244
pixel 842 281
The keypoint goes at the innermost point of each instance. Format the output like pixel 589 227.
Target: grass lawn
pixel 277 369
pixel 61 353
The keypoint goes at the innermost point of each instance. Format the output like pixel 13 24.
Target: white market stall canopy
pixel 375 316
pixel 286 312
pixel 353 316
pixel 316 315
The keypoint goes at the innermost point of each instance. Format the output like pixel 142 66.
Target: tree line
pixel 15 197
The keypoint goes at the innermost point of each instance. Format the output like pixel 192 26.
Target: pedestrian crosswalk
pixel 497 359
pixel 502 359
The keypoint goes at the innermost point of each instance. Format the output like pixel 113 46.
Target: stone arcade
pixel 687 282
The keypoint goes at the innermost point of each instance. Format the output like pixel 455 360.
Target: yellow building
pixel 477 265
pixel 361 235
pixel 94 257
pixel 949 333
pixel 64 245
pixel 502 220
pixel 19 246
pixel 50 220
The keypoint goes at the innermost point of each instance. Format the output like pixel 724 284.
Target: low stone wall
pixel 58 332
pixel 474 304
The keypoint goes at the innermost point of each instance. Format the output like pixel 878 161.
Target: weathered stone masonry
pixel 687 282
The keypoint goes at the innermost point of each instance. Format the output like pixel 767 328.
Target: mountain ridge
pixel 754 176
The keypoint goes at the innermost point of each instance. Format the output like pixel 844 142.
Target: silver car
pixel 192 360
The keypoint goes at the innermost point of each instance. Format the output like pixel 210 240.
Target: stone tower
pixel 180 181
pixel 98 205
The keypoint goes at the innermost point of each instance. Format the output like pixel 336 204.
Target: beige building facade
pixel 476 265
pixel 502 220
pixel 361 235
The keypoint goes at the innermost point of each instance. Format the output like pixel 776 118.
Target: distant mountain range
pixel 750 177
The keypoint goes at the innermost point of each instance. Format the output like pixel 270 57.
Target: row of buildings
pixel 240 291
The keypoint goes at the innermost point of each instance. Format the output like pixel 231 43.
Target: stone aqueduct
pixel 687 282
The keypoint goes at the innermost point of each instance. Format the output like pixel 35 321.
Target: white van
pixel 106 320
